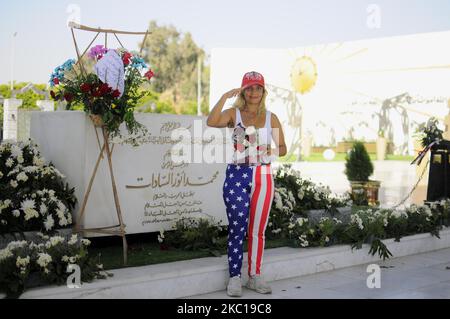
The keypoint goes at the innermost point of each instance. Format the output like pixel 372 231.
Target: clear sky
pixel 44 41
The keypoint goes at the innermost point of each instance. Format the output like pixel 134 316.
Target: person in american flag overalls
pixel 248 188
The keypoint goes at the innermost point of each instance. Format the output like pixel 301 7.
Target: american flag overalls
pixel 248 193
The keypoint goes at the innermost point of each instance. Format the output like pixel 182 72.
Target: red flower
pixel 149 74
pixel 85 87
pixel 68 97
pixel 115 93
pixel 96 93
pixel 104 89
pixel 126 58
pixel 56 81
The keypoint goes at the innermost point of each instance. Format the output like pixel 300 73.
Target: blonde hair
pixel 240 102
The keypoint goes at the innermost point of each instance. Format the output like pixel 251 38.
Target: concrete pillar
pixel 23 124
pixel 10 118
pixel 46 105
pixel 446 134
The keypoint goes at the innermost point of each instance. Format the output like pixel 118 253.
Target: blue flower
pixel 67 66
pixel 138 62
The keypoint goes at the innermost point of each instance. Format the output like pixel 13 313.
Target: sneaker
pixel 234 288
pixel 258 284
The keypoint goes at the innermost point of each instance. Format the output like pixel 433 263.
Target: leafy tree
pixel 174 57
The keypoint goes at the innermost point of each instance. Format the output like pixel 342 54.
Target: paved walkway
pixel 413 277
pixel 397 179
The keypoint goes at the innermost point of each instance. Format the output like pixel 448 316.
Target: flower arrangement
pixel 371 226
pixel 429 132
pixel 33 195
pixel 110 93
pixel 247 147
pixel 294 196
pixel 22 262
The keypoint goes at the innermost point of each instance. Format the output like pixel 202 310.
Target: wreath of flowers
pixel 70 83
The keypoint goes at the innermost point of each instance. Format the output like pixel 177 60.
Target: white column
pixel 46 105
pixel 10 118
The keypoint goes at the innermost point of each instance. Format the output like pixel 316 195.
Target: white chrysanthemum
pixel 14 183
pixel 290 207
pixel 20 159
pixel 6 203
pixel 324 219
pixel 28 207
pixel 300 194
pixel 53 241
pixel 73 260
pixel 278 201
pixel 291 225
pixel 17 244
pixel 60 214
pixel 427 211
pixel 30 169
pixel 43 209
pixel 9 162
pixel 87 242
pixel 73 240
pixel 327 239
pixel 49 222
pixel 5 253
pixel 16 151
pixel 61 206
pixel 65 258
pixel 301 221
pixel 38 161
pixel 291 197
pixel 22 177
pixel 16 213
pixel 63 222
pixel 44 259
pixel 22 262
pixel 355 219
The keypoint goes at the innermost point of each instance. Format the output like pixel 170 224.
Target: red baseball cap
pixel 252 78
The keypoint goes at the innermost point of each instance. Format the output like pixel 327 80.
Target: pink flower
pixel 97 52
pixel 252 139
pixel 239 147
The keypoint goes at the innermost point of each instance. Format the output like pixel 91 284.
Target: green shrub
pixel 358 166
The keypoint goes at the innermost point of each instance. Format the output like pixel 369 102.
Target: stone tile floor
pixel 422 276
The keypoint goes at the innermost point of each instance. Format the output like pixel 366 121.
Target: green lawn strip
pixel 151 253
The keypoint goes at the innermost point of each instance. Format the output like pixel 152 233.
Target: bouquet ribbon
pixel 423 152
